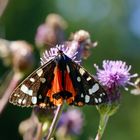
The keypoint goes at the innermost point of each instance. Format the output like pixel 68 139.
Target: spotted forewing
pixel 32 89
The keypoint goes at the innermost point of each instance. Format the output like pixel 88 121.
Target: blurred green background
pixel 116 27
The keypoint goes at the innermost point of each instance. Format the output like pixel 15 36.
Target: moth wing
pixel 32 91
pixel 88 90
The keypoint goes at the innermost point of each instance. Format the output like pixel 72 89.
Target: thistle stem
pixel 54 122
pixel 13 83
pixel 39 131
pixel 102 125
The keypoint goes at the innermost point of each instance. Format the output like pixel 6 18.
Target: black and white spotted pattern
pixel 88 90
pixel 32 91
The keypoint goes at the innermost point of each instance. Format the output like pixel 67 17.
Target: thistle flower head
pixel 22 56
pixel 53 52
pixel 51 32
pixel 114 74
pixel 72 121
pixel 83 39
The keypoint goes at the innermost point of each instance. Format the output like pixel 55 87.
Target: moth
pixel 57 81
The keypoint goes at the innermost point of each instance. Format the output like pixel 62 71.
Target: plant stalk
pixel 102 125
pixel 54 122
pixel 13 83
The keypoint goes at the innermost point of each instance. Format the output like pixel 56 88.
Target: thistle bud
pixel 81 43
pixel 22 56
pixel 51 32
pixel 82 36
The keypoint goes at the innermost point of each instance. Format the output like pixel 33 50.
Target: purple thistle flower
pixel 52 53
pixel 114 74
pixel 71 121
pixel 76 49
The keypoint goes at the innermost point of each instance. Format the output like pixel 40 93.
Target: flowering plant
pixel 42 124
pixel 113 76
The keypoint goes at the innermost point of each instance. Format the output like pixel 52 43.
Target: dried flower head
pixel 18 54
pixel 82 36
pixel 71 121
pixel 22 56
pixel 114 74
pixel 82 40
